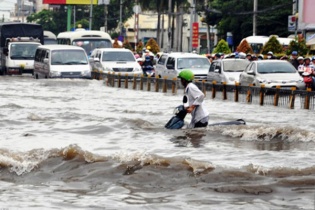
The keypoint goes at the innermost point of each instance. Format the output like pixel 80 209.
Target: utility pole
pixel 255 17
pixel 120 18
pixel 169 26
pixel 192 19
pixel 91 12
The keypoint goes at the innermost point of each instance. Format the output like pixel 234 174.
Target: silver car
pixel 226 70
pixel 272 73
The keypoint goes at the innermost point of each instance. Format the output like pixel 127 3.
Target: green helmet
pixel 186 75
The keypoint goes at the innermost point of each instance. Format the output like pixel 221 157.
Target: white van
pixel 171 64
pixel 61 61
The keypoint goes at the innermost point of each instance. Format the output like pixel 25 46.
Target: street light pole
pixel 255 17
pixel 91 12
pixel 106 3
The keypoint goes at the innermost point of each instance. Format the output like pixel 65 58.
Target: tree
pixel 222 47
pixel 127 45
pixel 299 45
pixel 154 47
pixel 272 45
pixel 237 17
pixel 244 47
pixel 50 20
pixel 139 47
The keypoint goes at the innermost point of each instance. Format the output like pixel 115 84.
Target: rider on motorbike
pixel 147 66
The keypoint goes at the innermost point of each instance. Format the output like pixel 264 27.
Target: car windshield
pixel 183 63
pixel 235 65
pixel 118 56
pixel 90 44
pixel 24 51
pixel 68 57
pixel 275 68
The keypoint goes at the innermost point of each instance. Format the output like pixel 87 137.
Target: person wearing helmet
pixel 242 55
pixel 308 73
pixel 195 100
pixel 294 59
pixel 270 55
pixel 301 65
pixel 147 65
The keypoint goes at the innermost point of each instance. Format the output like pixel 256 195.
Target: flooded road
pixel 79 144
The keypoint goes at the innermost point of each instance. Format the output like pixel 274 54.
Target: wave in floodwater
pixel 73 158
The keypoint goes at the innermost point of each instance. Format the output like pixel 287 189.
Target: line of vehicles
pixel 26 48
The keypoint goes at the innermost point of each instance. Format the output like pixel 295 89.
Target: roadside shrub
pixel 154 47
pixel 272 45
pixel 222 47
pixel 244 47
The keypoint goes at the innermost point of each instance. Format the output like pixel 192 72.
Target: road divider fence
pixel 278 97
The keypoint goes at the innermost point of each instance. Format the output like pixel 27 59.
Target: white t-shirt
pixel 196 97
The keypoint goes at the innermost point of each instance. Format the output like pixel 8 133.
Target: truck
pixel 18 44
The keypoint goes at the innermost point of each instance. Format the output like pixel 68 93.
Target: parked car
pixel 227 70
pixel 61 61
pixel 116 60
pixel 272 73
pixel 170 64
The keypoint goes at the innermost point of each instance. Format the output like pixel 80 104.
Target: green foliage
pixel 154 47
pixel 83 22
pixel 244 47
pixel 139 47
pixel 236 16
pixel 45 18
pixel 222 47
pixel 127 45
pixel 299 45
pixel 272 45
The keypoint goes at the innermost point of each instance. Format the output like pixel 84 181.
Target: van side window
pixel 212 67
pixel 218 66
pixel 42 55
pixel 37 54
pixel 162 59
pixel 249 67
pixel 171 61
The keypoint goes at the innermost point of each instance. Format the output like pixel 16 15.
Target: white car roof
pixel 60 47
pixel 184 55
pixel 113 50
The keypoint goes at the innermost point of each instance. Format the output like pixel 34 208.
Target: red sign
pixel 195 35
pixel 86 2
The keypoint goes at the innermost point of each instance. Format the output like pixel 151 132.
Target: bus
pixel 88 40
pixel 257 42
pixel 49 38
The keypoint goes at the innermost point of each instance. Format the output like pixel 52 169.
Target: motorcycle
pixel 308 79
pixel 148 71
pixel 177 121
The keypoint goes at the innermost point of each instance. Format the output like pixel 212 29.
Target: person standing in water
pixel 195 100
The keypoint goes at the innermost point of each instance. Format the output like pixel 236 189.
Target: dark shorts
pixel 200 124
